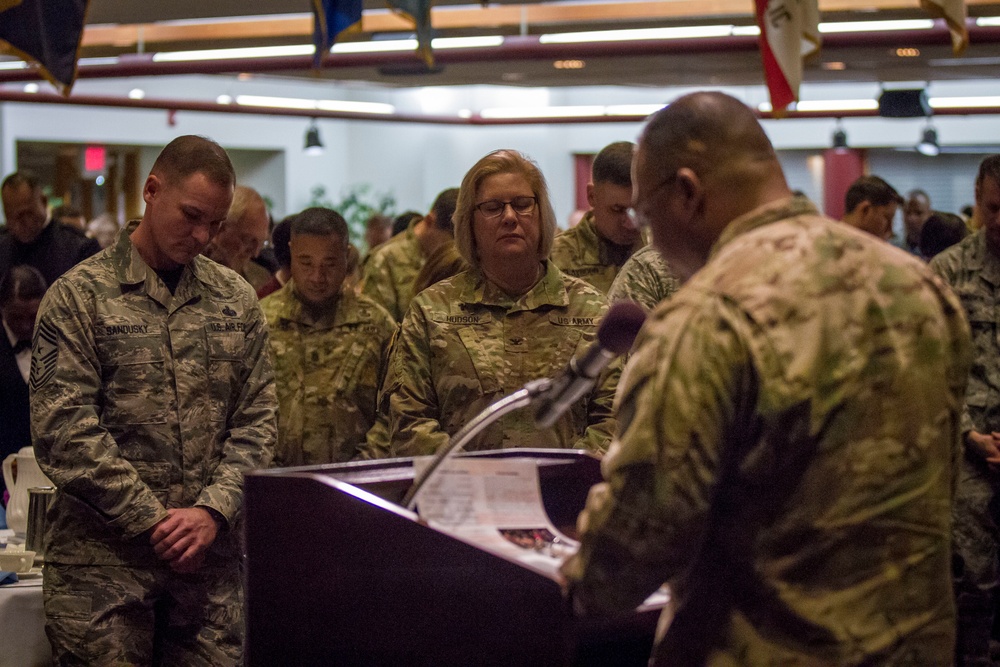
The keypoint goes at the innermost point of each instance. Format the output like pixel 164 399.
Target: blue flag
pixel 332 17
pixel 418 11
pixel 47 32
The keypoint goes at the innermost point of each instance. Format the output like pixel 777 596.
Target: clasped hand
pixel 987 446
pixel 183 538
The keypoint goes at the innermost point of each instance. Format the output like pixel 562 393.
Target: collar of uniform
pixel 981 261
pixel 549 291
pixel 132 269
pixel 290 308
pixel 781 209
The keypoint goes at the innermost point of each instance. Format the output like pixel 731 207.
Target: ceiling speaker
pixel 904 104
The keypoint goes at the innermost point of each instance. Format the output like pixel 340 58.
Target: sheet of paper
pixel 496 504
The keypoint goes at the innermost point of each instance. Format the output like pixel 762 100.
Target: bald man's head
pixel 702 162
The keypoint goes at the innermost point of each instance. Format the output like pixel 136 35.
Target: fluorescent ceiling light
pixel 224 99
pixel 31 88
pixel 92 62
pixel 632 109
pixel 279 102
pixel 837 105
pixel 467 42
pixel 746 31
pixel 136 94
pixel 988 21
pixel 876 26
pixel 825 105
pixel 377 46
pixel 685 32
pixel 13 64
pixel 312 105
pixel 355 107
pixel 958 102
pixel 230 54
pixel 543 112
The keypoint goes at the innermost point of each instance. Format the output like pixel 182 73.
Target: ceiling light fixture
pixel 233 54
pixel 314 144
pixel 683 32
pixel 839 136
pixel 481 42
pixel 988 21
pixel 136 94
pixel 542 112
pixel 876 26
pixel 375 46
pixel 13 64
pixel 959 102
pixel 929 142
pixel 342 106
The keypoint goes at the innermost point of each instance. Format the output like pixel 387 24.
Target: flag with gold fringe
pixel 418 11
pixel 953 13
pixel 789 33
pixel 332 17
pixel 47 32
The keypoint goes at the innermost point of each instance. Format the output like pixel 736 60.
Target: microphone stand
pixel 521 398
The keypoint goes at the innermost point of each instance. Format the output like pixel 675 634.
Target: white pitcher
pixel 28 476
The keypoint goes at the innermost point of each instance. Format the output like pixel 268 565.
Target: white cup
pixel 16 561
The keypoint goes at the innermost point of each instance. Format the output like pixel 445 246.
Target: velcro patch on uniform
pixel 44 356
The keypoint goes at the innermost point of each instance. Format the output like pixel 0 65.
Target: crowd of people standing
pixel 792 445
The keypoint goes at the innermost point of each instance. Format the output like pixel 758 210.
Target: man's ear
pixel 691 189
pixel 590 195
pixel 151 187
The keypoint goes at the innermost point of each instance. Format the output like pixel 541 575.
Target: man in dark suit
pixel 21 290
pixel 31 237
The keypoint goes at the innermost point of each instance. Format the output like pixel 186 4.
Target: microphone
pixel 615 336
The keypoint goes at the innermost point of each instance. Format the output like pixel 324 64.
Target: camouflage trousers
pixel 975 561
pixel 107 615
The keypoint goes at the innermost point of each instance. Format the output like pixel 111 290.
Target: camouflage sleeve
pixel 73 449
pixel 644 525
pixel 645 279
pixel 943 265
pixel 252 428
pixel 376 444
pixel 414 411
pixel 376 284
pixel 600 411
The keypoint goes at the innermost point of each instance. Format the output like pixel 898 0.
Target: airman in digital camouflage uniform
pixel 645 279
pixel 972 268
pixel 597 247
pixel 152 395
pixel 329 347
pixel 788 424
pixel 476 337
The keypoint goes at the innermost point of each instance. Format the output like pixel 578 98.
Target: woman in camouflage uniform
pixel 513 317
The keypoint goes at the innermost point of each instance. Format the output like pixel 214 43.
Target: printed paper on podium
pixel 496 504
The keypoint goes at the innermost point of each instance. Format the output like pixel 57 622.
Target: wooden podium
pixel 339 574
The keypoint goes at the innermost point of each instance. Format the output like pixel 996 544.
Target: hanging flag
pixel 789 32
pixel 418 11
pixel 332 17
pixel 47 32
pixel 953 13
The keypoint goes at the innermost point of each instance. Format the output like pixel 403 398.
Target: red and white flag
pixel 953 13
pixel 789 32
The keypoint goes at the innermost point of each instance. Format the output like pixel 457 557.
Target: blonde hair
pixel 504 161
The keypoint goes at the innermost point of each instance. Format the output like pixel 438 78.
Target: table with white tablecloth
pixel 22 624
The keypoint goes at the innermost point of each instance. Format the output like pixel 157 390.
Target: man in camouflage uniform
pixel 329 346
pixel 391 268
pixel 152 395
pixel 788 423
pixel 472 339
pixel 645 279
pixel 972 268
pixel 242 236
pixel 596 248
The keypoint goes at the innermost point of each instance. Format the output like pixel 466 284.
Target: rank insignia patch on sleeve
pixel 44 355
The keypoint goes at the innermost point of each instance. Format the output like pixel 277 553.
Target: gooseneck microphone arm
pixel 521 398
